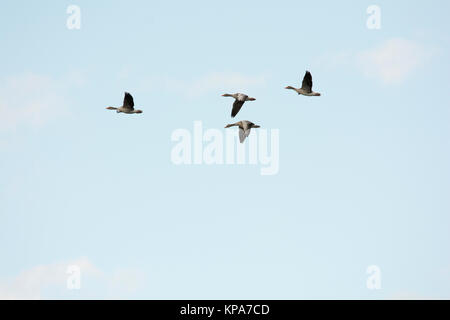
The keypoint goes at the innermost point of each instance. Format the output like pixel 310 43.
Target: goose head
pixel 113 108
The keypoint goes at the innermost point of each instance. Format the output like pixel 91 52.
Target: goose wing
pixel 128 101
pixel 237 105
pixel 307 82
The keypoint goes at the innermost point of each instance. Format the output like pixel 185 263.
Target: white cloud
pixel 123 282
pixel 335 59
pixel 32 99
pixel 30 283
pixel 394 60
pixel 408 295
pixel 219 82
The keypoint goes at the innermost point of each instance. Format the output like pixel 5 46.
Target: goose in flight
pixel 240 98
pixel 128 105
pixel 244 128
pixel 306 88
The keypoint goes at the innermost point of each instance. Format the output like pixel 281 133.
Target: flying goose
pixel 244 128
pixel 240 98
pixel 306 88
pixel 128 105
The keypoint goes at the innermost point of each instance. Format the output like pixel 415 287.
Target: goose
pixel 128 105
pixel 240 98
pixel 244 128
pixel 306 88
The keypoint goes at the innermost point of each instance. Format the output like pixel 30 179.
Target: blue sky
pixel 363 175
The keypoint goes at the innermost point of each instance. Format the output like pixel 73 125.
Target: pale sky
pixel 363 173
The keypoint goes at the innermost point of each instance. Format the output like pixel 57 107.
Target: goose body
pixel 240 98
pixel 306 88
pixel 244 128
pixel 128 105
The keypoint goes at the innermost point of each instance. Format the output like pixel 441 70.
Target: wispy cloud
pixel 407 295
pixel 32 283
pixel 28 100
pixel 391 62
pixel 125 281
pixel 394 60
pixel 33 99
pixel 211 82
pixel 217 82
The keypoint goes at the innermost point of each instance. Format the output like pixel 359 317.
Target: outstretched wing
pixel 307 82
pixel 128 101
pixel 237 105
